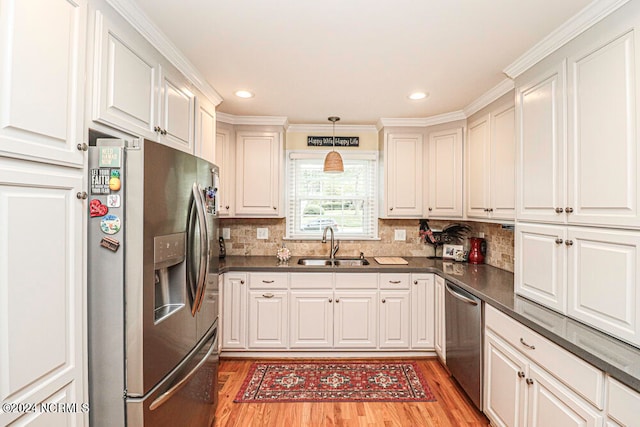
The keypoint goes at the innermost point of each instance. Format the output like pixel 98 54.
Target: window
pixel 345 201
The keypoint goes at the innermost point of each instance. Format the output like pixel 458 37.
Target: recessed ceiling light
pixel 244 94
pixel 418 95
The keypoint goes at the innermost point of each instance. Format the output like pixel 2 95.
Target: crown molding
pixel 488 97
pixel 141 23
pixel 422 122
pixel 317 128
pixel 253 120
pixel 583 20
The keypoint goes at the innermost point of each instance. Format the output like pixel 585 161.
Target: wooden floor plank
pixel 452 408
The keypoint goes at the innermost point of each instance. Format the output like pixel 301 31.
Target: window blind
pixel 345 201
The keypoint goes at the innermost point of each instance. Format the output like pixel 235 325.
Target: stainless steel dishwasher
pixel 464 340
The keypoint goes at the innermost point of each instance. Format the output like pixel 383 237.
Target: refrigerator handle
pixel 175 388
pixel 204 249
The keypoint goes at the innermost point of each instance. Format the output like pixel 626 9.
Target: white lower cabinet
pixel 530 381
pixel 234 311
pixel 355 317
pixel 324 311
pixel 622 404
pixel 268 326
pixel 423 311
pixel 394 319
pixel 440 338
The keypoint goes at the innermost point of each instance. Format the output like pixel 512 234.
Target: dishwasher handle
pixel 460 296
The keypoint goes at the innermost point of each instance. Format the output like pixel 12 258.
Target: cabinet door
pixel 504 383
pixel 422 311
pixel 478 145
pixel 445 174
pixel 125 78
pixel 503 164
pixel 603 278
pixel 540 269
pixel 440 338
pixel 550 403
pixel 225 156
pixel 602 132
pixel 42 325
pixel 206 137
pixel 258 173
pixel 403 175
pixel 311 322
pixel 268 319
pixel 41 89
pixel 234 311
pixel 355 319
pixel 540 147
pixel 394 319
pixel 176 111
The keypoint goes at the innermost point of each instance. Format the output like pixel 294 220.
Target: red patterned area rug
pixel 329 381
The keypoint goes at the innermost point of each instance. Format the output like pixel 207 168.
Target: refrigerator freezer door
pixel 187 397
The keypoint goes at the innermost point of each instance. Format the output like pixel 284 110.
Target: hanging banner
pixel 327 141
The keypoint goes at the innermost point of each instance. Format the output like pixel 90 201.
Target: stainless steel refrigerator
pixel 152 285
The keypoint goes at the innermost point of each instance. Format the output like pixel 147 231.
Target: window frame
pixel 369 155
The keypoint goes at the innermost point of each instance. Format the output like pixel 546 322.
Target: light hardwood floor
pixel 452 408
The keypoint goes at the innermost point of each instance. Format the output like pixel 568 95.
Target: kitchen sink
pixel 347 262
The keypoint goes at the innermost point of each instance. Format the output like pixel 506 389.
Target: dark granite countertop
pixel 495 287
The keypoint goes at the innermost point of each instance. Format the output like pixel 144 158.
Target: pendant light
pixel 333 161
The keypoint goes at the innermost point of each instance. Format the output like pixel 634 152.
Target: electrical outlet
pixel 481 234
pixel 262 233
pixel 226 233
pixel 400 235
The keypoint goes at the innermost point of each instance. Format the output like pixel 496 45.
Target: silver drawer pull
pixel 395 282
pixel 532 347
pixel 267 295
pixel 268 281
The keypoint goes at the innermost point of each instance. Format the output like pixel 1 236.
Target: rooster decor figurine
pixel 452 233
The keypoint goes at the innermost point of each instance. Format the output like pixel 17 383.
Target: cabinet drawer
pixel 622 403
pixel 356 281
pixel 582 377
pixel 311 280
pixel 394 281
pixel 268 280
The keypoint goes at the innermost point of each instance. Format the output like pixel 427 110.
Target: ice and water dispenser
pixel 170 276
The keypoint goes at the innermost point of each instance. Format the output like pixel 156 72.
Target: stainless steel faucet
pixel 334 249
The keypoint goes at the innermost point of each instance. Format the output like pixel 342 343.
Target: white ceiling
pixel 357 59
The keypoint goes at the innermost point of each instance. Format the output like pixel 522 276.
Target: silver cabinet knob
pixel 390 209
pixel 559 241
pixel 274 208
pixel 330 300
pixel 384 300
pixel 430 209
pixel 227 207
pixel 559 210
pixel 529 381
pixel 82 147
pixel 337 299
pixel 415 282
pixel 520 374
pixel 568 210
pixel 82 195
pixel 568 242
pixel 157 129
pixel 242 282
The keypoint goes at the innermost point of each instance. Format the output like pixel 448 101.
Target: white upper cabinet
pixel 587 172
pixel 444 198
pixel 206 137
pixel 176 112
pixel 403 175
pixel 258 175
pixel 126 72
pixel 478 146
pixel 41 89
pixel 225 159
pixel 503 164
pixel 540 146
pixel 136 90
pixel 602 133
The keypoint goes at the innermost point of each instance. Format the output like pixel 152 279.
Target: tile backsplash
pixel 243 240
